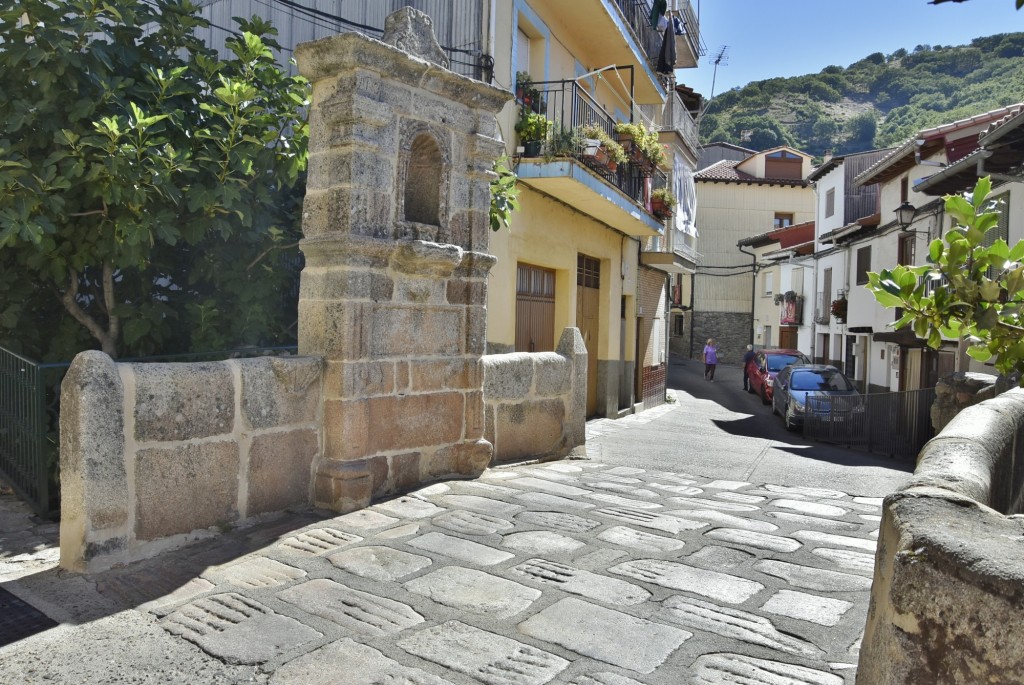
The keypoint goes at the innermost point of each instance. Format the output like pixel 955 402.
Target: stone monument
pixel 394 289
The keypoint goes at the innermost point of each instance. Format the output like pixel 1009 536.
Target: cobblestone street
pixel 567 572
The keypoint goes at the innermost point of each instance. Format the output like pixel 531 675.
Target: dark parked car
pixel 797 387
pixel 763 368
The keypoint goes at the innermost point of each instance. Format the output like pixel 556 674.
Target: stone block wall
pixel 730 329
pixel 154 454
pixel 948 593
pixel 535 404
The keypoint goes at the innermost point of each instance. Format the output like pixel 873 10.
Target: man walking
pixel 747 357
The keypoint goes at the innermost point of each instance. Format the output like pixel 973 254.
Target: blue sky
pixel 818 33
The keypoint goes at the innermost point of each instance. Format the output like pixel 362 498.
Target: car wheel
pixel 775 409
pixel 750 387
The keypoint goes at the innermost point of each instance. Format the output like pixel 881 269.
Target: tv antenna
pixel 721 59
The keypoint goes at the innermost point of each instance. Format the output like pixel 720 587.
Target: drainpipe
pixel 753 287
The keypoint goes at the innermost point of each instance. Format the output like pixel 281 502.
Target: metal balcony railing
pixel 569 106
pixel 692 27
pixel 637 14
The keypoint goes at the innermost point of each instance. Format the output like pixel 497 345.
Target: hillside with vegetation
pixel 876 102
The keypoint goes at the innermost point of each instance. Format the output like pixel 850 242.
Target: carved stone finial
pixel 411 30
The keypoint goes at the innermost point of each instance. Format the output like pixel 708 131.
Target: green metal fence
pixel 29 450
pixel 30 420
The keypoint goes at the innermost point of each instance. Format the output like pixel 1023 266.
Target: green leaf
pixel 936 249
pixel 960 209
pixel 981 191
pixel 979 353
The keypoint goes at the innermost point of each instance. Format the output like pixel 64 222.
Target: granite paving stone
pixel 409 508
pixel 669 524
pixel 255 572
pixel 701 616
pixel 724 519
pixel 471 523
pixel 551 488
pixel 361 612
pixel 542 500
pixel 847 559
pixel 580 582
pixel 675 576
pixel 541 542
pixel 831 539
pixel 457 548
pixel 346 662
pixel 378 563
pixel 807 607
pixel 317 541
pixel 810 578
pixel 810 508
pixel 483 505
pixel 701 503
pixel 474 592
pixel 484 656
pixel 624 501
pixel 569 523
pixel 237 629
pixel 737 669
pixel 597 632
pixel 744 498
pixel 639 540
pixel 747 538
pixel 812 521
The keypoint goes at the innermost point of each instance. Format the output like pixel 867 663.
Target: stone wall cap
pixel 327 57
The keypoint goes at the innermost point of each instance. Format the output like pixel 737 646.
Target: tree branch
pixel 113 322
pixel 268 251
pixel 70 301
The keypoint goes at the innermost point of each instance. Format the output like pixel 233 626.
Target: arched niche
pixel 423 185
pixel 423 182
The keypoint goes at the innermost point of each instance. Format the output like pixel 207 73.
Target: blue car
pixel 800 389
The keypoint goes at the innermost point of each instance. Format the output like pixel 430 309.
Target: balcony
pixel 689 47
pixel 674 117
pixel 619 197
pixel 670 253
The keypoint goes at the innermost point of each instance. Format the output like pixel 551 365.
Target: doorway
pixel 588 305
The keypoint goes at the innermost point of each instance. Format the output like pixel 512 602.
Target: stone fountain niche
pixel 394 289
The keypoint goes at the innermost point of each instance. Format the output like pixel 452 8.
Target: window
pixel 863 264
pixel 768 279
pixel 535 309
pixel 830 202
pixel 522 51
pixel 907 250
pixel 904 189
pixel 783 219
pixel 783 164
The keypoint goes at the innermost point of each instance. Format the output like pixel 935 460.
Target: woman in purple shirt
pixel 710 360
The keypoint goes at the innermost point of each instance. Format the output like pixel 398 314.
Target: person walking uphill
pixel 710 360
pixel 747 356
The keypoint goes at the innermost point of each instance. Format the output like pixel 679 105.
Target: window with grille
pixel 588 271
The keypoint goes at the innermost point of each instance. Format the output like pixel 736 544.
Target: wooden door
pixel 588 303
pixel 535 309
pixel 787 338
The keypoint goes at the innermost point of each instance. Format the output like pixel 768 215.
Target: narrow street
pixel 717 430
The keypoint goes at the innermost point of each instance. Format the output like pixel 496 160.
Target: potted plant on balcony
pixel 532 129
pixel 526 93
pixel 838 309
pixel 645 148
pixel 663 202
pixel 608 153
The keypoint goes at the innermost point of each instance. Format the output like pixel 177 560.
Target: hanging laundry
pixel 657 10
pixel 667 55
pixel 678 25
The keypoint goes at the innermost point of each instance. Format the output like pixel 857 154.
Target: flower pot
pixel 660 208
pixel 591 147
pixel 531 148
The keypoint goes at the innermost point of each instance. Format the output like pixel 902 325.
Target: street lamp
pixel 905 215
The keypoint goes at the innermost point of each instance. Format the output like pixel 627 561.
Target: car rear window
pixel 820 380
pixel 777 362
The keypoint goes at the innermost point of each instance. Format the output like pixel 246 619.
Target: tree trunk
pixel 106 337
pixel 963 360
